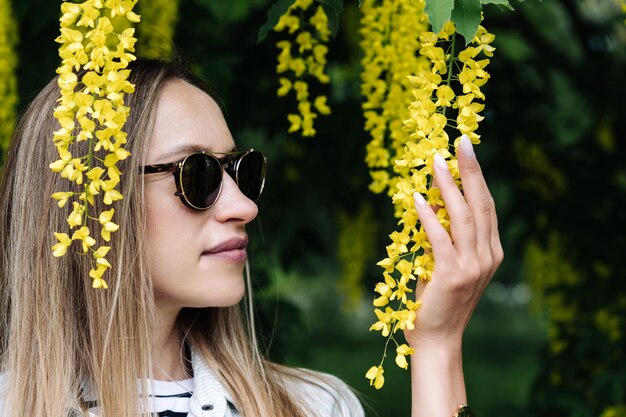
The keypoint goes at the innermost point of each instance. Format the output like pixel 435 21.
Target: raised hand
pixel 465 261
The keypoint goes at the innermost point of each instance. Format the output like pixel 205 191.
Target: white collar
pixel 209 397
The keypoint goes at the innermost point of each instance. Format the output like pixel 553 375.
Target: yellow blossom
pixel 375 375
pixel 303 62
pixel 62 197
pixel 93 38
pixel 107 225
pixel 424 132
pixel 8 75
pixel 96 275
pixel 285 86
pixel 82 234
pixel 401 352
pixel 60 248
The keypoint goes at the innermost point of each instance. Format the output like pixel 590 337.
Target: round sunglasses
pixel 199 175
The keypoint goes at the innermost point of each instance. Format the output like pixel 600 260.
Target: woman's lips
pixel 232 249
pixel 236 255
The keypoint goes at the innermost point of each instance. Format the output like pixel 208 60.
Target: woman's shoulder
pixel 324 394
pixel 2 393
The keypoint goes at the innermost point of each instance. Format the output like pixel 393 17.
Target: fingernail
pixel 419 199
pixel 466 147
pixel 441 162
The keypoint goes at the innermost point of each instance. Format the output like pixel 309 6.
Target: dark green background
pixel 557 86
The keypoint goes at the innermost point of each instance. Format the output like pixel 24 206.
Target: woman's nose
pixel 233 205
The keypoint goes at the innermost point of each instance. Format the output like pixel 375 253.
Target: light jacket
pixel 325 395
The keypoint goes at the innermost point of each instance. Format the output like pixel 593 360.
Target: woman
pixel 170 323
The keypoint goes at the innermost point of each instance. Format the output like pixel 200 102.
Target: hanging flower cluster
pixel 8 79
pixel 390 45
pixel 356 246
pixel 304 61
pixel 156 32
pixel 91 110
pixel 451 84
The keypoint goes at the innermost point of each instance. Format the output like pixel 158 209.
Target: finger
pixel 496 244
pixel 477 196
pixel 461 219
pixel 443 249
pixel 420 286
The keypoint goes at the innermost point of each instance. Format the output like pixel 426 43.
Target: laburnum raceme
pixel 304 61
pixel 8 78
pixel 355 247
pixel 446 99
pixel 156 32
pixel 96 46
pixel 390 54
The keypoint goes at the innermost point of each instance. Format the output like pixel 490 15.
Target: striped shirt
pixel 171 399
pixel 177 399
pixel 205 396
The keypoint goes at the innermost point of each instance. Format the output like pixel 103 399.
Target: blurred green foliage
pixel 553 155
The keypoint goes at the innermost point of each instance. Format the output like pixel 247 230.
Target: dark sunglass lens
pixel 251 174
pixel 201 177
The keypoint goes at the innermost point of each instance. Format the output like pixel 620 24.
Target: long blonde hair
pixel 57 334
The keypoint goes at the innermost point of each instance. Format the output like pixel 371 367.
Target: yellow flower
pixel 320 22
pixel 96 275
pixel 380 181
pixel 76 216
pixel 295 121
pixel 445 95
pixel 385 320
pixel 107 225
pixel 401 352
pixel 307 62
pixel 401 361
pixel 305 40
pixel 285 86
pixel 8 74
pixel 62 197
pixel 302 90
pixel 287 21
pixel 82 234
pixel 60 248
pixel 111 195
pixel 156 32
pixel 321 106
pixel 94 38
pixel 375 375
pixel 410 146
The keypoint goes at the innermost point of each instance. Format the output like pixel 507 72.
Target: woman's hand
pixel 465 261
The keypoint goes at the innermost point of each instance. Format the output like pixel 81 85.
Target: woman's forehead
pixel 187 118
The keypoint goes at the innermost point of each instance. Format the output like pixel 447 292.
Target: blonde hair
pixel 57 334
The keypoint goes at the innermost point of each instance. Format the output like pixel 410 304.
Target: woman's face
pixel 186 269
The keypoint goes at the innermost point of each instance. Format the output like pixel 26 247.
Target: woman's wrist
pixel 437 379
pixel 449 344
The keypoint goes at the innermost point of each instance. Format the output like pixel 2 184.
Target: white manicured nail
pixel 419 199
pixel 466 147
pixel 441 162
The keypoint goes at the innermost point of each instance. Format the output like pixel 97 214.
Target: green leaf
pixel 333 9
pixel 466 17
pixel 503 3
pixel 335 4
pixel 274 13
pixel 360 3
pixel 438 12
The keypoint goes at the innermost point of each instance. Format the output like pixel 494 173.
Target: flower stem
pixel 450 65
